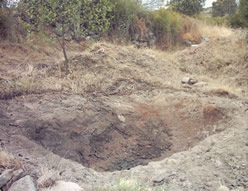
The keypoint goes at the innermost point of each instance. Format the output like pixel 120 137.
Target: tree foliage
pixel 240 19
pixel 68 16
pixel 187 7
pixel 224 7
pixel 243 11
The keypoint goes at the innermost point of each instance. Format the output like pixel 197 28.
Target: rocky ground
pixel 175 119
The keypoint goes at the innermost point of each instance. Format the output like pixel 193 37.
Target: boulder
pixel 5 177
pixel 26 183
pixel 187 43
pixel 223 188
pixel 64 186
pixel 188 80
pixel 9 175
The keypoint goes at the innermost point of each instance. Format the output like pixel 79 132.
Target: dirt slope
pixel 122 107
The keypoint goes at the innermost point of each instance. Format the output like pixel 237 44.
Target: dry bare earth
pixel 122 107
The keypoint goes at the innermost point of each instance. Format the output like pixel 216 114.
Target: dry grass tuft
pixel 48 178
pixel 8 161
pixel 190 30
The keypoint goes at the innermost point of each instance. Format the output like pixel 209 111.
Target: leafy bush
pixel 3 24
pixel 236 21
pixel 11 28
pixel 243 11
pixel 124 14
pixel 187 7
pixel 167 26
pixel 240 19
pixel 74 16
pixel 224 7
pixel 166 21
pixel 130 18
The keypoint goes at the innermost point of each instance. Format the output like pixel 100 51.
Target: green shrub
pixel 124 14
pixel 240 19
pixel 219 21
pixel 167 26
pixel 129 18
pixel 3 24
pixel 187 7
pixel 166 21
pixel 11 28
pixel 236 21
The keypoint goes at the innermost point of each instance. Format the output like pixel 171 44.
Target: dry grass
pixel 48 178
pixel 8 161
pixel 190 30
pixel 114 69
pixel 213 31
pixel 194 29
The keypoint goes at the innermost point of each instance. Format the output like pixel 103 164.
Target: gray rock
pixel 9 175
pixel 187 43
pixel 26 183
pixel 188 80
pixel 201 84
pixel 5 177
pixel 68 36
pixel 185 80
pixel 204 38
pixel 64 186
pixel 223 188
pixel 195 45
pixel 151 34
pixel 192 81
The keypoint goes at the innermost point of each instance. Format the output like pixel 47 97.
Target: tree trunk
pixel 64 51
pixel 65 56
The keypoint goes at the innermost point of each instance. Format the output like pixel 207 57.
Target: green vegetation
pixel 167 26
pixel 240 19
pixel 77 19
pixel 124 14
pixel 224 7
pixel 11 27
pixel 130 17
pixel 74 16
pixel 210 20
pixel 187 7
pixel 121 20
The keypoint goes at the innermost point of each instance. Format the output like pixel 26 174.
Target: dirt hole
pixel 101 138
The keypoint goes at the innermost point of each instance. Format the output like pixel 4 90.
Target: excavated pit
pixel 114 133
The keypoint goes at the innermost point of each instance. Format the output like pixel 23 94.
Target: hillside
pixel 126 116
